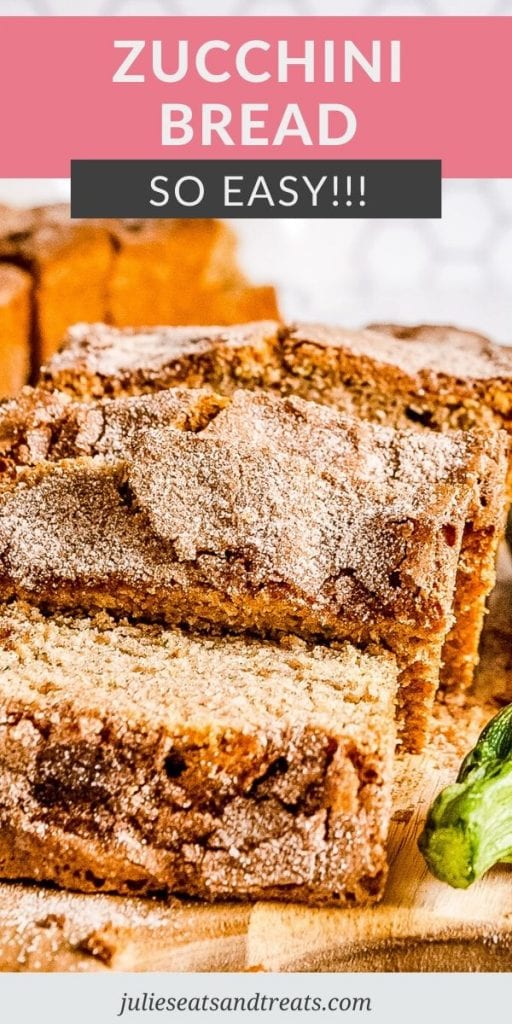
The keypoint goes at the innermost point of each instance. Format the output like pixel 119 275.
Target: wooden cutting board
pixel 421 925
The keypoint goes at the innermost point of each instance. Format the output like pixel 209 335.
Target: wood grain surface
pixel 421 925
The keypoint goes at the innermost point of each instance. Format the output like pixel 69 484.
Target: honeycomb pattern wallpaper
pixel 457 269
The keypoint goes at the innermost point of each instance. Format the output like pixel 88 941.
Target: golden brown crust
pixel 200 246
pixel 15 306
pixel 69 260
pixel 33 237
pixel 181 272
pixel 13 282
pixel 139 759
pixel 41 426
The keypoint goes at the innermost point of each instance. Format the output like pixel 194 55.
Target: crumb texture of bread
pixel 139 759
pixel 438 377
pixel 98 361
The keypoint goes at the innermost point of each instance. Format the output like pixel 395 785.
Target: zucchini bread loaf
pixel 254 513
pixel 140 759
pixel 126 272
pixel 328 365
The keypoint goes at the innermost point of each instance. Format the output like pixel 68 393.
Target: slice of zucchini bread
pixel 429 376
pixel 137 759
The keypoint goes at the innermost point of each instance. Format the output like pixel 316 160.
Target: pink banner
pixel 257 88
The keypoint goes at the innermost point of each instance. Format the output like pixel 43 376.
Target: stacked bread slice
pixel 426 379
pixel 213 597
pixel 254 513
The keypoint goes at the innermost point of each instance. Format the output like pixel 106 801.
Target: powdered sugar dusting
pixel 447 351
pixel 277 515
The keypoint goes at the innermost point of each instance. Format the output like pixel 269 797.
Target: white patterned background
pixel 458 269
